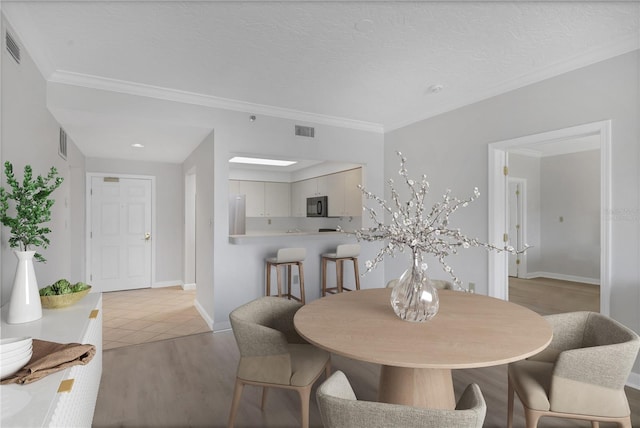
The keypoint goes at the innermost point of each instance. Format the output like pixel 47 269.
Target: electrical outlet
pixel 472 287
pixel 269 221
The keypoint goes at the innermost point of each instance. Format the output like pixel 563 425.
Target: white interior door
pixel 120 233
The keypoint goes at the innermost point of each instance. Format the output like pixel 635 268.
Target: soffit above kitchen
pixel 366 65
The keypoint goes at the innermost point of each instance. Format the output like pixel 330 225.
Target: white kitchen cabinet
pixel 352 194
pixel 265 199
pixel 277 199
pixel 335 194
pixel 299 198
pixel 322 185
pixel 254 203
pixel 40 404
pixel 234 187
pixel 345 199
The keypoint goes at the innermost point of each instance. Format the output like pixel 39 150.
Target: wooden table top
pixel 470 330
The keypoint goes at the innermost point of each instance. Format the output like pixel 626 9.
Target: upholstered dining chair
pixel 272 354
pixel 339 408
pixel 581 375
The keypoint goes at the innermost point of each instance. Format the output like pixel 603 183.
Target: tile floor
pixel 148 315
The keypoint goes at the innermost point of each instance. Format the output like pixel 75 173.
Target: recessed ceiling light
pixel 137 145
pixel 260 161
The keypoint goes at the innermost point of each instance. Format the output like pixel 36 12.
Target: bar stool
pixel 287 257
pixel 343 252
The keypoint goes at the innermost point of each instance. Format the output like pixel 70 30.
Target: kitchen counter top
pixel 255 237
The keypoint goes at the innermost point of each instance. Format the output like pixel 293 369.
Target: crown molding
pixel 602 53
pixel 138 89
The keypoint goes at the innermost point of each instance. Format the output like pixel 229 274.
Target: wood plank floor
pixel 188 381
pixel 551 296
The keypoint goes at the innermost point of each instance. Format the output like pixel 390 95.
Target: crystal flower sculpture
pixel 415 227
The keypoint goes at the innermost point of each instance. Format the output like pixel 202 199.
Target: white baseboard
pixel 161 284
pixel 203 313
pixel 634 380
pixel 221 326
pixel 563 277
pixel 191 286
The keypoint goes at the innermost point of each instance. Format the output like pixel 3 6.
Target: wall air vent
pixel 62 147
pixel 305 131
pixel 12 47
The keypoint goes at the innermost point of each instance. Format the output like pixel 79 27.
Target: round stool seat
pixel 288 255
pixel 344 251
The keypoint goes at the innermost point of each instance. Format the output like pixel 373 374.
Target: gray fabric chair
pixel 339 408
pixel 581 375
pixel 272 354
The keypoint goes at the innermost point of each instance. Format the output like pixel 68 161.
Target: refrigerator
pixel 237 217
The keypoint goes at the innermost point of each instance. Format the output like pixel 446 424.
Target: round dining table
pixel 470 330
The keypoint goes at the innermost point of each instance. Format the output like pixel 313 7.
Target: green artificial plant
pixel 32 207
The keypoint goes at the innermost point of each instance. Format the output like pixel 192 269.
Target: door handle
pixel 147 236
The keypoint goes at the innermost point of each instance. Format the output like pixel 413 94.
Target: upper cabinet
pixel 277 199
pixel 344 197
pixel 263 199
pixel 353 195
pixel 300 191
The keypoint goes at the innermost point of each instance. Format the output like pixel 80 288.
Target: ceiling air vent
pixel 62 147
pixel 305 131
pixel 12 47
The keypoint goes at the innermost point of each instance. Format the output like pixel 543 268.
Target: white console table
pixel 39 404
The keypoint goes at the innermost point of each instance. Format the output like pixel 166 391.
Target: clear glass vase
pixel 414 298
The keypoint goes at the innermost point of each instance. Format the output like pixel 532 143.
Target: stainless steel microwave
pixel 317 206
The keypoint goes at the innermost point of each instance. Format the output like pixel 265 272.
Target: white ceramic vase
pixel 24 305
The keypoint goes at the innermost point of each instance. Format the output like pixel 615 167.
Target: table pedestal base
pixel 427 388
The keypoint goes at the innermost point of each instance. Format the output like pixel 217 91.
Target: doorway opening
pixel 499 172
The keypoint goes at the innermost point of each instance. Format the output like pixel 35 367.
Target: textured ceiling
pixel 370 62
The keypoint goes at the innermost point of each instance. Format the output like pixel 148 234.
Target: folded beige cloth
pixel 50 357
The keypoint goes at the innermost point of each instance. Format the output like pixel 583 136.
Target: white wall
pixel 452 149
pixel 30 135
pixel 570 189
pixel 77 213
pixel 202 158
pixel 169 205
